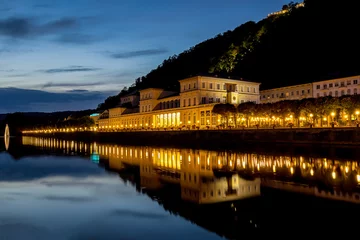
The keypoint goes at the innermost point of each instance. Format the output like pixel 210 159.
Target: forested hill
pixel 315 42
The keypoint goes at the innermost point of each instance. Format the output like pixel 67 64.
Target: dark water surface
pixel 54 189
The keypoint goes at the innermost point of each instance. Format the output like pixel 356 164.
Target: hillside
pixel 315 42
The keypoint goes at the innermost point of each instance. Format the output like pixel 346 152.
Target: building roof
pixel 286 87
pixel 167 94
pixel 145 89
pixel 220 78
pixel 133 93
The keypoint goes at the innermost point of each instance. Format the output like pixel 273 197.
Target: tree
pixel 247 110
pixel 350 104
pixel 225 110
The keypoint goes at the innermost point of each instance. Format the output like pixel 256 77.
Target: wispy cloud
pixel 70 69
pixel 139 53
pixel 137 214
pixel 13 100
pixel 21 27
pixel 67 84
pixel 68 198
pixel 18 75
pixel 78 91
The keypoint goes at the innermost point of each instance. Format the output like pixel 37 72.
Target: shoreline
pixel 219 138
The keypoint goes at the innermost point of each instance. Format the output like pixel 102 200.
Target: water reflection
pixel 231 193
pixel 218 176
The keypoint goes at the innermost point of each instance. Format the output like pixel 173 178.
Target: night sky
pixel 71 55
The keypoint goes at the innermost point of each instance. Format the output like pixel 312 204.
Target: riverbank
pixel 219 138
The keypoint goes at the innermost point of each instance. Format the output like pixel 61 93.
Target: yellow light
pixel 312 172
pixel 332 114
pixel 358 178
pixel 274 168
pixel 146 124
pixel 304 165
pixel 357 113
pixel 198 121
pixel 291 116
pixel 188 122
pixel 292 170
pixel 346 169
pixel 333 174
pixel 311 115
pixel 180 122
pixel 325 118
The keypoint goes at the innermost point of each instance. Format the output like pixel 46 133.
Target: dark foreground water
pixel 54 189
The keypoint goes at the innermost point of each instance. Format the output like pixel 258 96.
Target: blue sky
pixel 94 48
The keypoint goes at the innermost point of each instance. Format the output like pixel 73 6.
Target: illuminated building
pixel 190 107
pixel 132 99
pixel 295 92
pixel 337 87
pixel 281 12
pixel 332 87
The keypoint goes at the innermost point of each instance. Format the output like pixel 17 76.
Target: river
pixel 56 189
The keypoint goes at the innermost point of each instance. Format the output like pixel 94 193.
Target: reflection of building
pixel 193 170
pixel 312 190
pixel 216 190
pixel 191 106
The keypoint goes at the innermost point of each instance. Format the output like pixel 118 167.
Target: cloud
pixel 22 27
pixel 139 53
pixel 68 198
pixel 78 91
pixel 51 84
pixel 137 214
pixel 70 69
pixel 23 100
pixel 18 75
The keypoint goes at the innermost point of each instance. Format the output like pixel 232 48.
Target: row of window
pixel 283 95
pixel 218 86
pixel 330 93
pixel 170 104
pixel 146 96
pixel 337 84
pixel 146 108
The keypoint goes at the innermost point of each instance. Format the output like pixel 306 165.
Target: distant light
pixel 94 114
pixel 95 158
